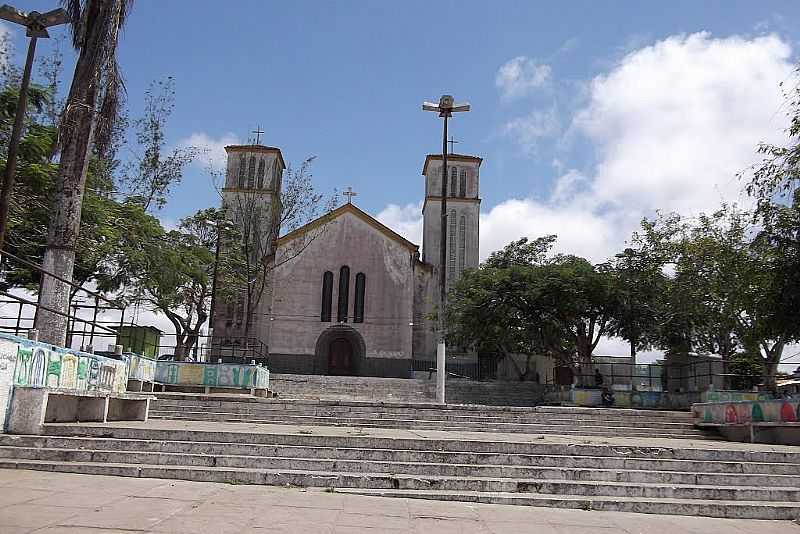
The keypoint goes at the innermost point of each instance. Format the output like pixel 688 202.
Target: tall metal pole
pixel 441 348
pixel 13 144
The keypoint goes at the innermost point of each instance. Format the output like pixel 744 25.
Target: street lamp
pixel 36 24
pixel 445 108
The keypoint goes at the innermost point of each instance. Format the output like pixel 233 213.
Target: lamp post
pixel 36 25
pixel 445 108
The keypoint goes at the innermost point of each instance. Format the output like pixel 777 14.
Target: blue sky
pixel 344 81
pixel 590 115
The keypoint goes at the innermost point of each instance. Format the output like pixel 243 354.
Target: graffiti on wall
pixel 140 368
pixel 41 365
pixel 212 375
pixel 743 412
pixel 733 396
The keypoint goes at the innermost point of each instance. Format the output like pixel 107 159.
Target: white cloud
pixel 673 123
pixel 405 220
pixel 529 130
pixel 213 150
pixel 520 76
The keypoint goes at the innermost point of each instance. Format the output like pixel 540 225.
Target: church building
pixel 347 295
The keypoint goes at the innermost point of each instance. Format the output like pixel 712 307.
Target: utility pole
pixel 36 24
pixel 445 109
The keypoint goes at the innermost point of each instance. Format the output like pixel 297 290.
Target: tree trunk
pixel 76 134
pixel 771 362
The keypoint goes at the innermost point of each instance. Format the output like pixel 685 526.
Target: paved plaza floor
pixel 43 502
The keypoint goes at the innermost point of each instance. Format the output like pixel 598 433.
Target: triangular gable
pixel 341 210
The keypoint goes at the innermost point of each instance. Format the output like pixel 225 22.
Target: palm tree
pixel 86 122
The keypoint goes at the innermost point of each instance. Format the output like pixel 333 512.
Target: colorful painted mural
pixel 733 396
pixel 213 375
pixel 140 368
pixel 743 412
pixel 42 365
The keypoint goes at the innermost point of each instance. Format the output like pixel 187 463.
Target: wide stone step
pixel 427 470
pixel 334 479
pixel 425 414
pixel 601 413
pixel 317 438
pixel 692 507
pixel 577 430
pixel 210 449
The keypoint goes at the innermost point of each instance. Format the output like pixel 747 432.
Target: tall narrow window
pixel 451 243
pixel 453 178
pixel 261 174
pixel 327 291
pixel 462 186
pixel 251 173
pixel 358 312
pixel 242 169
pixel 274 180
pixel 344 293
pixel 462 243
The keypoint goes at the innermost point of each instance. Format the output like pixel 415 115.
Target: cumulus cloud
pixel 529 130
pixel 405 220
pixel 671 124
pixel 521 75
pixel 213 149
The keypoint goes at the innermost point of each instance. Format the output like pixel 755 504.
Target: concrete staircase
pixel 698 478
pixel 545 420
pixel 363 388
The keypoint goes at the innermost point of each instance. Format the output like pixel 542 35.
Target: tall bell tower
pixel 251 200
pixel 463 217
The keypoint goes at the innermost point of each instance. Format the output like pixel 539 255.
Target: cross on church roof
pixel 451 142
pixel 350 194
pixel 258 133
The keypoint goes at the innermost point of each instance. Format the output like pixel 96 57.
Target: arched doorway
pixel 340 357
pixel 340 351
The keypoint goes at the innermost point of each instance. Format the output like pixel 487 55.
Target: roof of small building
pixel 341 210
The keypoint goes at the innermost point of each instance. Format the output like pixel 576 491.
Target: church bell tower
pixel 251 200
pixel 463 213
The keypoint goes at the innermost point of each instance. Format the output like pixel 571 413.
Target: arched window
pixel 327 291
pixel 251 173
pixel 344 293
pixel 451 241
pixel 462 243
pixel 453 178
pixel 274 181
pixel 462 186
pixel 358 312
pixel 261 174
pixel 242 162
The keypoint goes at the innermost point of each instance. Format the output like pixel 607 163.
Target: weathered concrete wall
pixel 212 375
pixel 389 296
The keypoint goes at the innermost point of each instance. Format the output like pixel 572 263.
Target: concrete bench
pixel 32 407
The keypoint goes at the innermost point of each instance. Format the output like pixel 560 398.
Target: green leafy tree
pixel 176 272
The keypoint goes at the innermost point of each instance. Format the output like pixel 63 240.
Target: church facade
pixel 347 295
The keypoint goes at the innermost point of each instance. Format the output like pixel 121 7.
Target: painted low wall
pixel 29 363
pixel 743 412
pixel 42 365
pixel 139 367
pixel 657 400
pixel 733 396
pixel 220 375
